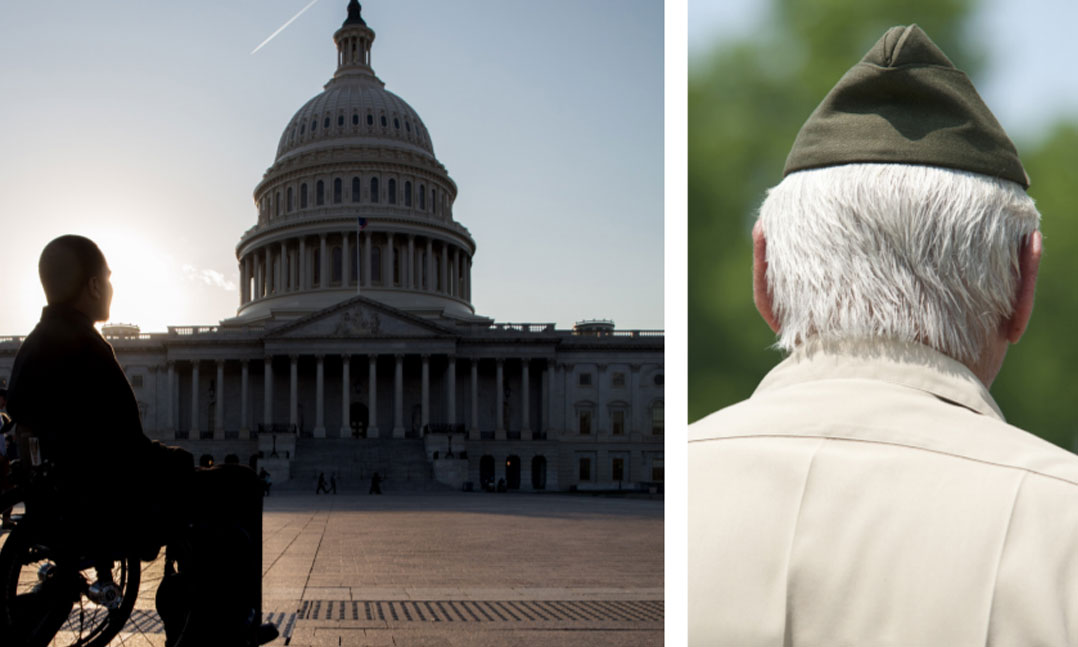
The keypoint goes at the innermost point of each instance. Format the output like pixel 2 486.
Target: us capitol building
pixel 355 348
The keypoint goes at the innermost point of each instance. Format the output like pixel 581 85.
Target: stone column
pixel 194 431
pixel 473 430
pixel 258 276
pixel 525 392
pixel 286 276
pixel 398 397
pixel 267 269
pixel 346 393
pixel 451 389
pixel 293 391
pixel 302 264
pixel 170 405
pixel 424 418
pixel 323 265
pixel 444 258
pixel 267 391
pixel 320 397
pixel 499 408
pixel 365 272
pixel 411 261
pixel 545 403
pixel 387 263
pixel 430 265
pixel 346 261
pixel 219 410
pixel 245 430
pixel 454 269
pixel 372 395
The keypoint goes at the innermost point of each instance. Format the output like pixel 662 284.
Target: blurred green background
pixel 750 92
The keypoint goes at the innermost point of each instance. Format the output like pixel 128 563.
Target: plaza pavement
pixel 453 569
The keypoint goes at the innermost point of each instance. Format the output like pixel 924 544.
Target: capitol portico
pixel 355 347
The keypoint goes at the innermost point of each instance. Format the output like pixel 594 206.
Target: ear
pixel 96 287
pixel 1029 262
pixel 760 292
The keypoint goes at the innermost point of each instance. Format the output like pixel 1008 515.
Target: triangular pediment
pixel 360 317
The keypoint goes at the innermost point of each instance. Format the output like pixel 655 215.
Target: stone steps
pixel 402 463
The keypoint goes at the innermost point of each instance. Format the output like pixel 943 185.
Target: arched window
pixel 408 126
pixel 289 207
pixel 396 123
pixel 355 119
pixel 374 189
pixel 376 264
pixel 325 122
pixel 303 196
pixel 383 121
pixel 392 191
pixel 355 189
pixel 335 272
pixel 314 125
pixel 434 200
pixel 422 197
pixel 277 203
pixel 340 120
pixel 370 119
pixel 408 194
pixel 320 193
pixel 337 188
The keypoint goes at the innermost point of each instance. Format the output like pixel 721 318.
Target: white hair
pixel 907 252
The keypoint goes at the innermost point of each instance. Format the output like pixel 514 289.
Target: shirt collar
pixel 903 363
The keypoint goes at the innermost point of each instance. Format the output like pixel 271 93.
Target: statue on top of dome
pixel 353 13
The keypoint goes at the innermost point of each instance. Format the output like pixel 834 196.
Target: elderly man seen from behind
pixel 870 491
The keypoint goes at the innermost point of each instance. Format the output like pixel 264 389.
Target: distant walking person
pixel 321 484
pixel 376 484
pixel 333 483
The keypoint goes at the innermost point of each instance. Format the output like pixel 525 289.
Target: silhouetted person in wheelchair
pixel 117 488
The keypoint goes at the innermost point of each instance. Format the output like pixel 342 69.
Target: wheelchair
pixel 58 586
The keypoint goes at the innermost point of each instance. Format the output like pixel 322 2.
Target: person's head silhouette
pixel 74 273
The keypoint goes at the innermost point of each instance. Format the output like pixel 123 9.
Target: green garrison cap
pixel 906 103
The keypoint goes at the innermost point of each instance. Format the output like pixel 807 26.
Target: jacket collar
pixel 906 364
pixel 67 313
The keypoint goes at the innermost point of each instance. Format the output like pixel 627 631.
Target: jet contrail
pixel 281 28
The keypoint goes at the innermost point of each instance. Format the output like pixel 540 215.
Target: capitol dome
pixel 355 203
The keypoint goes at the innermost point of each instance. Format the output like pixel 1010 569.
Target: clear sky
pixel 1030 45
pixel 147 125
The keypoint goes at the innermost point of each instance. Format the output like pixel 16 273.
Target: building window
pixel 302 128
pixel 584 379
pixel 657 419
pixel 335 274
pixel 619 380
pixel 325 122
pixel 397 262
pixel 658 379
pixel 408 126
pixel 585 468
pixel 376 264
pixel 290 198
pixel 422 197
pixel 617 468
pixel 584 422
pixel 392 191
pixel 277 203
pixel 314 125
pixel 383 121
pixel 340 120
pixel 396 123
pixel 617 422
pixel 355 119
pixel 355 189
pixel 338 188
pixel 370 119
pixel 316 271
pixel 434 201
pixel 303 196
pixel 407 194
pixel 657 470
pixel 374 189
pixel 320 193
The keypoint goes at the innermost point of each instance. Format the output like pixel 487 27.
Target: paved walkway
pixel 445 570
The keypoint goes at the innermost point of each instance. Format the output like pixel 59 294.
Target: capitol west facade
pixel 355 347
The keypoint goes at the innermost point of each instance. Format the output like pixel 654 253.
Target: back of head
pixel 903 251
pixel 65 266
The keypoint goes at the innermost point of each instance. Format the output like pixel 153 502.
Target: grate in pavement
pixel 472 611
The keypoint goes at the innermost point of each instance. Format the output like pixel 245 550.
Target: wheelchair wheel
pixel 49 597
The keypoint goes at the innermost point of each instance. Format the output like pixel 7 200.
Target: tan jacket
pixel 877 497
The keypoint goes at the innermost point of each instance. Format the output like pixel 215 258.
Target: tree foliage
pixel 747 100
